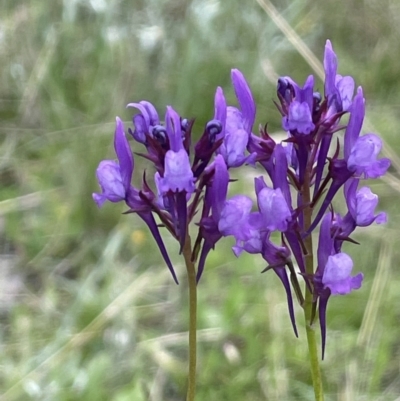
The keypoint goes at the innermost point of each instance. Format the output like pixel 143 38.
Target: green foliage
pixel 88 310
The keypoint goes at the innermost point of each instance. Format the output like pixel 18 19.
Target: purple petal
pixel 234 217
pixel 145 121
pixel 99 199
pixel 252 235
pixel 274 209
pixel 220 110
pixel 245 98
pixel 152 112
pixel 285 88
pixel 299 118
pixel 362 204
pixel 144 112
pixel 259 184
pixel 345 86
pixel 252 245
pixel 219 187
pixel 377 169
pixel 356 281
pixel 337 277
pixel 381 218
pixel 367 201
pixel 178 175
pixel 141 129
pixel 280 173
pixel 124 154
pixel 363 157
pixel 235 140
pixel 109 177
pixel 357 112
pixel 307 92
pixel 350 191
pixel 174 131
pixel 330 67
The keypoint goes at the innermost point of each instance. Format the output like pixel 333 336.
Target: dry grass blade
pixel 292 37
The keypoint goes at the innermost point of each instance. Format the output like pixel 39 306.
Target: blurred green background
pixel 88 310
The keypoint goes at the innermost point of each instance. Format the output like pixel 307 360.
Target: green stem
pixel 191 274
pixel 308 302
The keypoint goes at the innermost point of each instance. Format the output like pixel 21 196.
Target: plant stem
pixel 308 302
pixel 191 274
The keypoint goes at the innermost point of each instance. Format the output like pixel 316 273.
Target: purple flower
pixel 333 274
pixel 237 220
pixel 338 168
pixel 212 137
pixel 363 157
pixel 178 180
pixel 115 178
pixel 234 217
pixel 115 182
pixel 219 188
pixel 362 204
pixel 300 108
pixel 345 86
pixel 145 121
pixel 337 275
pixel 245 99
pixel 299 118
pixel 253 237
pixel 178 175
pixel 275 204
pixel 235 140
pixel 361 152
pixel 274 209
pixel 338 90
pixel 360 156
pixel 238 124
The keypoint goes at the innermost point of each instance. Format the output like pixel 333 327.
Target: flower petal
pixel 178 175
pixel 124 154
pixel 245 98
pixel 274 209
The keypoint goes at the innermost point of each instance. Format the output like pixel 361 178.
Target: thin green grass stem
pixel 191 274
pixel 308 301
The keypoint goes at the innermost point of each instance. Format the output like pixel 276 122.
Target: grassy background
pixel 88 310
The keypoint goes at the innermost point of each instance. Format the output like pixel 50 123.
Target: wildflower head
pixel 115 178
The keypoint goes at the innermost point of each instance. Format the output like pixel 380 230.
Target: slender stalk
pixel 308 302
pixel 191 274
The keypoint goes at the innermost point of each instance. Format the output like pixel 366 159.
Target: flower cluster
pixel 302 176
